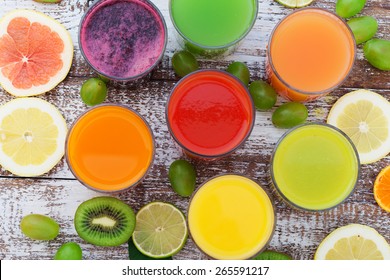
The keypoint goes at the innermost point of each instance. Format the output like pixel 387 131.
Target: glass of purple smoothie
pixel 123 40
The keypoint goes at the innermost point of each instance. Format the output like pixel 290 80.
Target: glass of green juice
pixel 315 167
pixel 212 28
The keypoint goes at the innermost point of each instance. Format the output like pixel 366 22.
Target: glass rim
pixel 320 92
pixel 140 75
pixel 256 10
pixel 70 130
pixel 242 176
pixel 244 138
pixel 275 184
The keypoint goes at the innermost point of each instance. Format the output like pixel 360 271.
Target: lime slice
pixel 160 231
pixel 294 3
pixel 32 136
pixel 353 242
pixel 365 117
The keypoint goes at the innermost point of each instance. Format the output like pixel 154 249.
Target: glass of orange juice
pixel 310 53
pixel 110 148
pixel 231 217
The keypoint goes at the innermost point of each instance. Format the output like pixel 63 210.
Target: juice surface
pixel 315 167
pixel 210 113
pixel 312 50
pixel 110 148
pixel 122 38
pixel 231 217
pixel 213 23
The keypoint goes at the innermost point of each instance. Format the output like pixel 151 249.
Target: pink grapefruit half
pixel 36 52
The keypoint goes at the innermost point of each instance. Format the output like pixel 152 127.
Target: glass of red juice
pixel 210 113
pixel 123 40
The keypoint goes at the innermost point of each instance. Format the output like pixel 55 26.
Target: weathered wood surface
pixel 58 194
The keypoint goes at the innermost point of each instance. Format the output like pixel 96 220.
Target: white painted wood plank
pixel 251 50
pixel 297 233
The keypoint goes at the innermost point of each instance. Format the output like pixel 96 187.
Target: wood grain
pixel 149 99
pixel 297 232
pixel 251 50
pixel 58 194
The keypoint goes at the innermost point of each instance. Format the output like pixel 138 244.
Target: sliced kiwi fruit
pixel 272 255
pixel 104 221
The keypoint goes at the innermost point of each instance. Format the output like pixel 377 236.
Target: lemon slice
pixel 365 117
pixel 353 242
pixel 294 3
pixel 160 231
pixel 32 136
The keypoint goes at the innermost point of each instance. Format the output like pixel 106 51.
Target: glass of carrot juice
pixel 231 217
pixel 110 148
pixel 310 53
pixel 210 113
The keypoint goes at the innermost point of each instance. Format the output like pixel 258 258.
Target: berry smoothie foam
pixel 123 39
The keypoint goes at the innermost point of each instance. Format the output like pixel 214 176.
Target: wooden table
pixel 58 193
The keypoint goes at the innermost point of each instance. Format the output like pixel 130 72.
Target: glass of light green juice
pixel 211 28
pixel 315 167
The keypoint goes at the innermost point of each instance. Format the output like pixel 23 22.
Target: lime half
pixel 294 3
pixel 160 231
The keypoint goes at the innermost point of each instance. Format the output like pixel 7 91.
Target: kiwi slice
pixel 272 255
pixel 104 221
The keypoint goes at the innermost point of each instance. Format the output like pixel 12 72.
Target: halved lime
pixel 294 3
pixel 160 231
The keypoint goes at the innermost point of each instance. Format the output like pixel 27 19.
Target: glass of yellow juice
pixel 231 217
pixel 315 167
pixel 310 53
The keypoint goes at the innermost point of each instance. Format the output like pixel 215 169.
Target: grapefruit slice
pixel 36 53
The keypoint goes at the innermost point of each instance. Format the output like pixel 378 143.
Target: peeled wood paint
pixel 57 194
